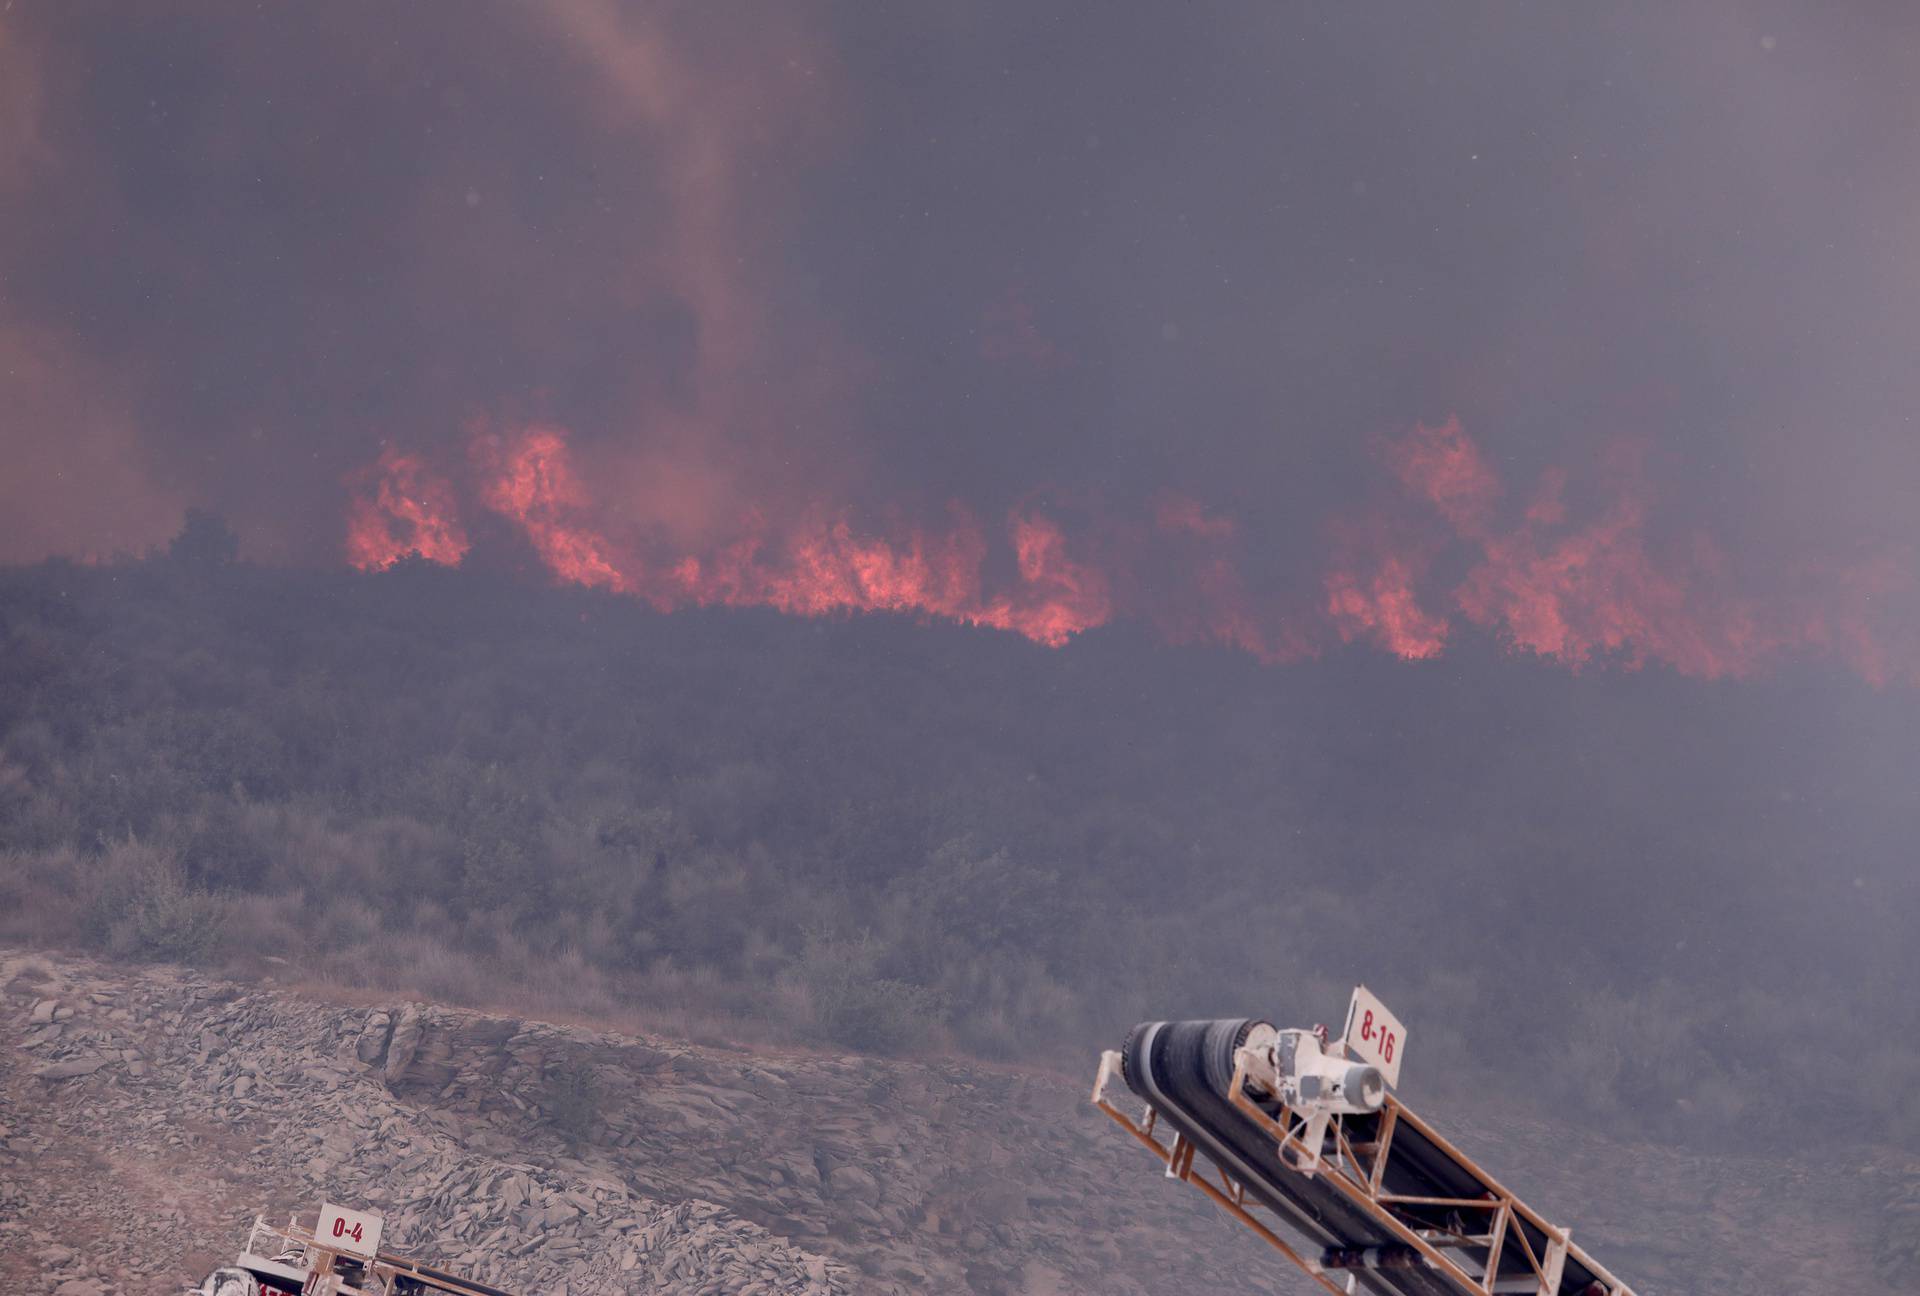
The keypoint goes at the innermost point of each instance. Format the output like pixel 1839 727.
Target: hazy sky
pixel 753 260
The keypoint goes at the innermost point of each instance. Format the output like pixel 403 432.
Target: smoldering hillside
pixel 1619 896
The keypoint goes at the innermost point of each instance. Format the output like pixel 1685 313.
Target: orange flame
pixel 532 481
pixel 1572 586
pixel 410 512
pixel 824 566
pixel 1385 609
pixel 1575 592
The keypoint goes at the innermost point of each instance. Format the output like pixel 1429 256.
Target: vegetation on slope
pixel 1678 906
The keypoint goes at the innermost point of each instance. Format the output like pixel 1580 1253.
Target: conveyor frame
pixel 1493 1244
pixel 385 1274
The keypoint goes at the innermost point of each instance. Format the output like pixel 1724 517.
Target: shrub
pixel 853 1007
pixel 144 906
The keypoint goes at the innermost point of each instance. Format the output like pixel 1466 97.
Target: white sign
pixel 352 1231
pixel 1375 1035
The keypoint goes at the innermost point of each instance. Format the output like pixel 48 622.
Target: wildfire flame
pixel 1572 590
pixel 824 565
pixel 533 482
pixel 1385 608
pixel 408 512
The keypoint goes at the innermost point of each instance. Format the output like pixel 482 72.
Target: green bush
pixel 853 1007
pixel 144 906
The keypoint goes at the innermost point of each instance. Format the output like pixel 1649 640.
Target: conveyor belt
pixel 439 1281
pixel 1184 1072
pixel 303 1255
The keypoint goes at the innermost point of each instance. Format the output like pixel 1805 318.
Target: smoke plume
pixel 1588 335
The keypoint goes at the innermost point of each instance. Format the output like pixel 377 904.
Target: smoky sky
pixel 993 253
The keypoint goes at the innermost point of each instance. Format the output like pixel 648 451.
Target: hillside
pixel 149 1113
pixel 633 631
pixel 876 836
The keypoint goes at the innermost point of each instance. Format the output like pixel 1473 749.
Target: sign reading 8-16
pixel 1375 1035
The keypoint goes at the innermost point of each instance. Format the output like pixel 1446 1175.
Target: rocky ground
pixel 147 1114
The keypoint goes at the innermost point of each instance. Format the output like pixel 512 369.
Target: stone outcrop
pixel 153 1114
pixel 1897 1248
pixel 146 1114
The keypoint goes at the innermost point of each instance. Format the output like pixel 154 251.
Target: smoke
pixel 1576 586
pixel 72 483
pixel 21 147
pixel 1036 321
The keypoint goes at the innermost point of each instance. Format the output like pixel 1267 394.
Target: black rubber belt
pixel 1183 1070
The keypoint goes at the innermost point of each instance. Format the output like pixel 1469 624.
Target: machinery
pixel 339 1256
pixel 1304 1143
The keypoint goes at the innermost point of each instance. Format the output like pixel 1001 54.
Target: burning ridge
pixel 1443 546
